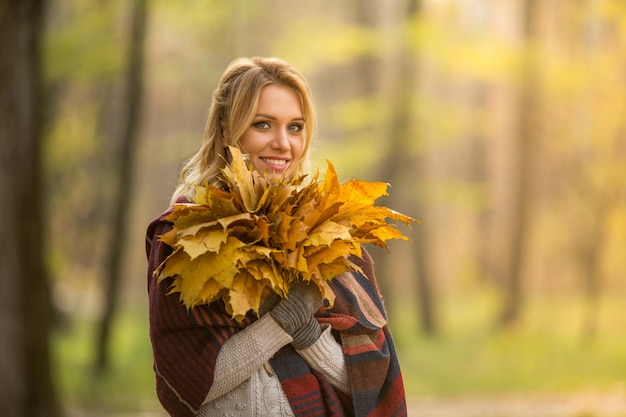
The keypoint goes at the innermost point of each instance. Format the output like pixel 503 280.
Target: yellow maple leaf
pixel 245 295
pixel 316 255
pixel 190 275
pixel 201 242
pixel 326 233
pixel 210 291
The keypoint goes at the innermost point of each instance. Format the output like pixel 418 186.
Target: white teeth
pixel 275 161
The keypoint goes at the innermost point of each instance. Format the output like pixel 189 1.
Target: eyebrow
pixel 267 116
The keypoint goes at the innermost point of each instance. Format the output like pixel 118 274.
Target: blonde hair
pixel 233 106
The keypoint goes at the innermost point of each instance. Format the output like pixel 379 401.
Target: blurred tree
pixel 26 383
pixel 520 201
pixel 82 63
pixel 367 69
pixel 398 164
pixel 366 17
pixel 590 152
pixel 130 109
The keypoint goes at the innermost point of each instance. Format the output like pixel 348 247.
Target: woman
pixel 297 357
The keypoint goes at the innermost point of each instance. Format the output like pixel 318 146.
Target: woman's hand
pixel 295 314
pixel 270 301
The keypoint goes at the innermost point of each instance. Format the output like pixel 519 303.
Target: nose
pixel 281 140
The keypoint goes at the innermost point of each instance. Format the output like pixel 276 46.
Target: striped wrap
pixel 186 344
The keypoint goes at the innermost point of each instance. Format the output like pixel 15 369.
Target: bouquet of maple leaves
pixel 259 235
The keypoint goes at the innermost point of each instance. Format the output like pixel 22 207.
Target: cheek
pixel 249 143
pixel 298 148
pixel 256 165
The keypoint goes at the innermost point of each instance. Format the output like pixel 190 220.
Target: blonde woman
pixel 297 357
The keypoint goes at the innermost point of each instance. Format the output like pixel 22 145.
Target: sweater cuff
pixel 326 356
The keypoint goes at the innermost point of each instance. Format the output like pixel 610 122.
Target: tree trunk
pixel 521 195
pixel 26 383
pixel 598 198
pixel 398 163
pixel 126 158
pixel 591 259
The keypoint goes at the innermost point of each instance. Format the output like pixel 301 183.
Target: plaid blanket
pixel 186 344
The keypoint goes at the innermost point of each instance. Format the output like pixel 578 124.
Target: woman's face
pixel 275 140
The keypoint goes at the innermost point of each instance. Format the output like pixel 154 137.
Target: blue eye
pixel 295 128
pixel 261 125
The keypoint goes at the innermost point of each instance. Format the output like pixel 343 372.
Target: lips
pixel 274 163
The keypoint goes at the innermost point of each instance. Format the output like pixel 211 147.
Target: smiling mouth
pixel 275 162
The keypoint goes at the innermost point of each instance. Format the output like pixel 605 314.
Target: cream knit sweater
pixel 246 385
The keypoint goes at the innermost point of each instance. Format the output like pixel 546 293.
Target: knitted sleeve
pixel 244 353
pixel 326 357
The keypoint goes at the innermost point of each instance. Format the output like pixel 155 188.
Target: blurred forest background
pixel 500 124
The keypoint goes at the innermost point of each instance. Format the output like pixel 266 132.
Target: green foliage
pixel 547 353
pixel 83 42
pixel 462 195
pixel 457 50
pixel 196 34
pixel 71 146
pixel 127 387
pixel 304 41
pixel 72 140
pixel 359 137
pixel 84 61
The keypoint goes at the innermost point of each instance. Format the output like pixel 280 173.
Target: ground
pixel 611 404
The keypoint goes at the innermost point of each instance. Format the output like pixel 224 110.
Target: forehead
pixel 278 100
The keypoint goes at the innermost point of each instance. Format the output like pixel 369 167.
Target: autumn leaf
pixel 259 235
pixel 245 295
